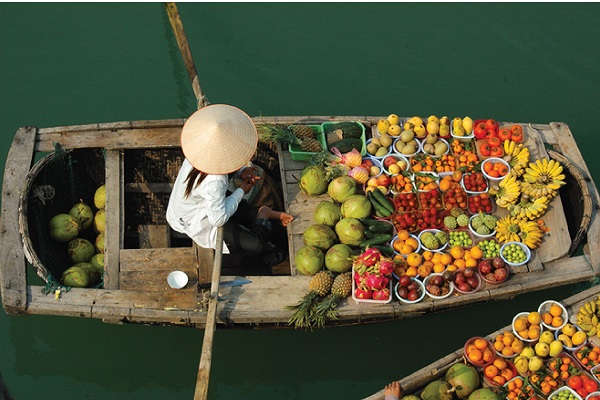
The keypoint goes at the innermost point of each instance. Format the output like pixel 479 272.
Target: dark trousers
pixel 243 233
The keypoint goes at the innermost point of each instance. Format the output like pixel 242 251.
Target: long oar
pixel 201 392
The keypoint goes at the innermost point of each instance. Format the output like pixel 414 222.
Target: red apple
pixel 389 160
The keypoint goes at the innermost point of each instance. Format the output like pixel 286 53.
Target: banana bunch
pixel 517 156
pixel 587 317
pixel 542 178
pixel 516 229
pixel 507 192
pixel 528 209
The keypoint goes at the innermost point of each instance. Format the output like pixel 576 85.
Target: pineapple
pixel 303 132
pixel 319 286
pixel 278 133
pixel 340 289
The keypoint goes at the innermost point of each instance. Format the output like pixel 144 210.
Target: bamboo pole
pixel 186 53
pixel 202 380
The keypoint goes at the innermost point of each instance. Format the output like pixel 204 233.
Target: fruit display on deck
pixel 463 188
pixel 543 356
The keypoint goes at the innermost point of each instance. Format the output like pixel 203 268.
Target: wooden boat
pixel 415 382
pixel 138 162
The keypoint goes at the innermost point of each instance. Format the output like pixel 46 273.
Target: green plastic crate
pixel 363 150
pixel 300 155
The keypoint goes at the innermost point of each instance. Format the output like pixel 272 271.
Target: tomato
pixel 516 129
pixel 504 134
pixel 517 137
pixel 496 151
pixel 574 382
pixel 590 385
pixel 485 149
pixel 491 124
pixel 494 141
pixel 480 130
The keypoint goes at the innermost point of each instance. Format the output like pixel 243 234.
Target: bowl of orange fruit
pixel 554 315
pixel 527 326
pixel 507 345
pixel 405 243
pixel 479 352
pixel 499 372
pixel 495 169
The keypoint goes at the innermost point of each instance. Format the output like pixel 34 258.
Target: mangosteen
pixel 412 286
pixel 469 272
pixel 404 281
pixel 459 277
pixel 434 290
pixel 498 262
pixel 472 281
pixel 413 295
pixel 501 274
pixel 437 280
pixel 485 267
pixel 448 276
pixel 402 292
pixel 490 276
pixel 464 287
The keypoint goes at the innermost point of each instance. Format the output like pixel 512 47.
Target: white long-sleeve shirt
pixel 207 207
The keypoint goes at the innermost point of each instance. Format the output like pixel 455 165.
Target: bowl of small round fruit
pixel 466 280
pixel 493 270
pixel 515 254
pixel 437 287
pixel 409 290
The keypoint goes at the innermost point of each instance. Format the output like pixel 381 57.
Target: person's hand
pixel 248 173
pixel 248 183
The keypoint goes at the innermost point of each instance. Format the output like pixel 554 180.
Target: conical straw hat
pixel 219 139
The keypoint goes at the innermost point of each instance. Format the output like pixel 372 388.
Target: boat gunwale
pixel 129 313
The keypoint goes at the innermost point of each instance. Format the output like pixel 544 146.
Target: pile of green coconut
pixel 87 257
pixel 461 382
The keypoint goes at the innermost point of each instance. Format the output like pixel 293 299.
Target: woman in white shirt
pixel 218 141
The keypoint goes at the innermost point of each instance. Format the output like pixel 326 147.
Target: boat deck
pixel 135 288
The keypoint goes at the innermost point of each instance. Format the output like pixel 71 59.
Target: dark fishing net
pixel 64 179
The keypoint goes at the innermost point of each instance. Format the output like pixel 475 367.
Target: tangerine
pixel 457 176
pixel 476 252
pixel 427 255
pixel 557 321
pixel 534 332
pixel 547 318
pixel 460 263
pixel 500 380
pixel 411 241
pixel 480 343
pixel 405 249
pixel 414 259
pixel 534 317
pixel 457 252
pixel 488 355
pixel 524 333
pixel 444 185
pixel 520 324
pixel 491 371
pixel 403 234
pixel 500 363
pixel 507 351
pixel 499 346
pixel 555 310
pixel 437 257
pixel 445 258
pixel 411 272
pixel 475 355
pixel 439 268
pixel 471 262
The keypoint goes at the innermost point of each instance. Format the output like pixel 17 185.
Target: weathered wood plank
pixel 153 236
pixel 13 277
pixel 161 259
pixel 115 217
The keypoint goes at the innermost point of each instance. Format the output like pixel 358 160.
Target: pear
pixel 458 131
pixel 428 148
pixel 431 138
pixel 372 148
pixel 542 349
pixel 410 148
pixel 433 127
pixel 467 123
pixel 579 338
pixel 382 151
pixel 385 140
pixel 376 141
pixel 440 148
pixel 444 121
pixel 528 352
pixel 444 130
pixel 547 337
pixel 399 145
pixel 420 131
pixel 556 348
pixel 521 364
pixel 569 330
pixel 535 363
pixel 383 126
pixel 456 122
pixel 407 135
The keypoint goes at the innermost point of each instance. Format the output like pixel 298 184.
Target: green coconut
pixel 63 228
pixel 327 213
pixel 309 260
pixel 356 206
pixel 350 231
pixel 99 243
pixel 80 250
pixel 91 271
pixel 100 221
pixel 100 197
pixel 339 258
pixel 313 180
pixel 321 236
pixel 97 262
pixel 463 378
pixel 341 188
pixel 484 394
pixel 75 277
pixel 83 214
pixel 437 390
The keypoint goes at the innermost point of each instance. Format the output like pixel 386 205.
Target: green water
pixel 70 63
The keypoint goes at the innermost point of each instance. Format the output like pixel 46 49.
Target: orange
pixel 427 255
pixel 547 318
pixel 451 268
pixel 507 351
pixel 403 234
pixel 445 258
pixel 471 262
pixel 414 260
pixel 439 268
pixel 405 249
pixel 476 252
pixel 411 271
pixel 475 355
pixel 488 355
pixel 457 252
pixel 437 257
pixel 491 371
pixel 460 263
pixel 534 317
pixel 411 241
pixel 520 324
pixel 534 332
pixel 498 346
pixel 424 269
pixel 480 343
pixel 444 185
pixel 555 310
pixel 517 345
pixel 500 380
pixel 524 333
pixel 557 321
pixel 507 374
